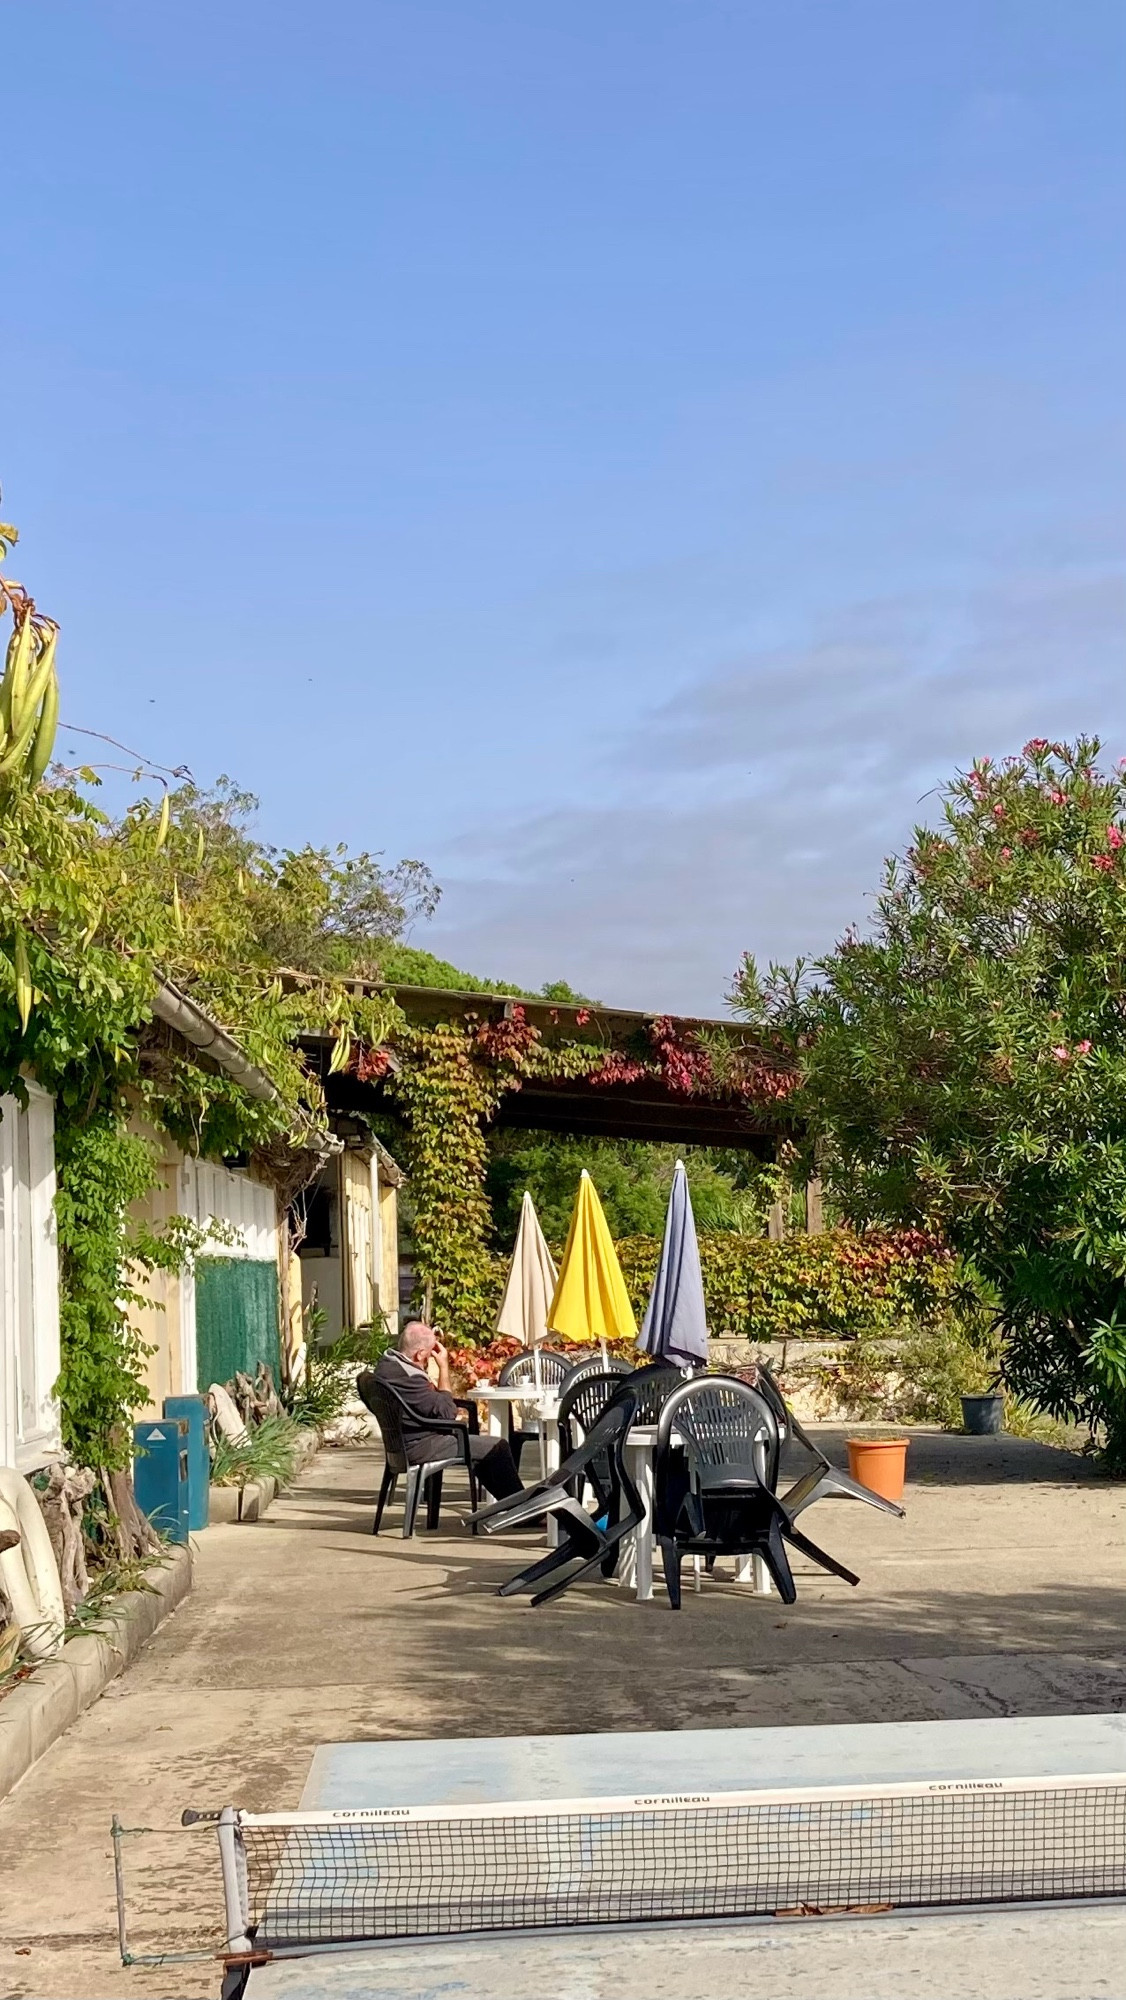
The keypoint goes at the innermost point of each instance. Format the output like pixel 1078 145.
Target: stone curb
pixel 258 1494
pixel 38 1710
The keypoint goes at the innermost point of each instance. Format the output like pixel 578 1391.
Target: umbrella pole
pixel 540 1427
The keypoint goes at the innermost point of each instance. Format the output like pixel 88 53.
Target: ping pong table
pixel 1049 1951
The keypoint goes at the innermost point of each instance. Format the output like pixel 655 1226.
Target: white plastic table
pixel 545 1404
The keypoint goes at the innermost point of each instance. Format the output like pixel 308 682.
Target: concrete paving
pixel 1003 1593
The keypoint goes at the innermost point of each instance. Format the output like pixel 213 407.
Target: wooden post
pixel 814 1213
pixel 776 1222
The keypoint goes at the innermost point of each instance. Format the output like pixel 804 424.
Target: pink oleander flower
pixel 998 812
pixel 1035 747
pixel 1082 1048
pixel 1103 861
pixel 1058 798
pixel 1006 854
pixel 1113 837
pixel 1061 1054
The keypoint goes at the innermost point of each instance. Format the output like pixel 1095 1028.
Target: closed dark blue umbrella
pixel 675 1326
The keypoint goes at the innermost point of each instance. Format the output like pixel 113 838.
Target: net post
pixel 117 1831
pixel 232 1860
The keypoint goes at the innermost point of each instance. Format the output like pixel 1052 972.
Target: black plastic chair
pixel 553 1370
pixel 581 1403
pixel 388 1408
pixel 652 1385
pixel 823 1480
pixel 582 1399
pixel 713 1494
pixel 587 1541
pixel 591 1363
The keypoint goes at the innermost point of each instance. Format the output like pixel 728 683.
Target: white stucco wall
pixel 29 1283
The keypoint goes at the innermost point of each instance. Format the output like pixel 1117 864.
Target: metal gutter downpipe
pixel 177 1011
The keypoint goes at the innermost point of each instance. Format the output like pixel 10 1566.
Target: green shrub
pixel 844 1284
pixel 270 1452
pixel 331 1367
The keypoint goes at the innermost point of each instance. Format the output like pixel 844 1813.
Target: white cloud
pixel 753 810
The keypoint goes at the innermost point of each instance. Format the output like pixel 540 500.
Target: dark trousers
pixel 493 1463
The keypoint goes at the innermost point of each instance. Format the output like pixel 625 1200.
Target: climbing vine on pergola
pixel 448 1086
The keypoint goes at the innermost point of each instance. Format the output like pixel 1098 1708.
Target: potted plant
pixel 983 1415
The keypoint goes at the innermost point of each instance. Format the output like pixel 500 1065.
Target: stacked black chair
pixel 823 1480
pixel 717 1457
pixel 652 1385
pixel 553 1370
pixel 583 1364
pixel 587 1542
pixel 583 1401
pixel 388 1409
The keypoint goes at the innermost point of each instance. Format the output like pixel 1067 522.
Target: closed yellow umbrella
pixel 591 1302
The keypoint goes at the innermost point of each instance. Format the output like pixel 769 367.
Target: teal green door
pixel 236 1317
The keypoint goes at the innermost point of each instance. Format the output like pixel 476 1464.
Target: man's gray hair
pixel 414 1336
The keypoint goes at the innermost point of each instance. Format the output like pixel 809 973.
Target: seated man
pixel 403 1369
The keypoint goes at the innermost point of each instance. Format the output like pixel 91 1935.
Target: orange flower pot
pixel 880 1464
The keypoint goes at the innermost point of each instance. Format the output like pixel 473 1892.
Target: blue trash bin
pixel 160 1474
pixel 194 1410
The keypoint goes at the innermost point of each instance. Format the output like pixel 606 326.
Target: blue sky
pixel 625 455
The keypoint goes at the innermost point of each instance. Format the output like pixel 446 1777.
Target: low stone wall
pixel 796 1362
pixel 249 1503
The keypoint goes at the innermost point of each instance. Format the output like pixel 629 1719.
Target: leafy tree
pixel 558 989
pixel 965 1062
pixel 730 1190
pixel 317 910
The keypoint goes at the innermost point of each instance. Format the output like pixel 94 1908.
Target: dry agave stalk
pixel 29 690
pixel 29 720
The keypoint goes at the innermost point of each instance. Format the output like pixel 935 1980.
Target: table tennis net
pixel 318 1879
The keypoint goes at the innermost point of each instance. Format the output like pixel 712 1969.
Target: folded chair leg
pixel 610 1560
pixel 410 1500
pixel 386 1493
pixel 818 1556
pixel 433 1500
pixel 536 1571
pixel 670 1562
pixel 592 1563
pixel 772 1549
pixel 474 1493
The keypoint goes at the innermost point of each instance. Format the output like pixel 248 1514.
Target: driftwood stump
pixel 266 1395
pixel 62 1506
pixel 11 1637
pixel 10 1634
pixel 258 1398
pixel 132 1531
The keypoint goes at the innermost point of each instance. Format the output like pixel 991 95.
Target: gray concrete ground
pixel 1003 1593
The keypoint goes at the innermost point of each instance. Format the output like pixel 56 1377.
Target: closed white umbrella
pixel 530 1285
